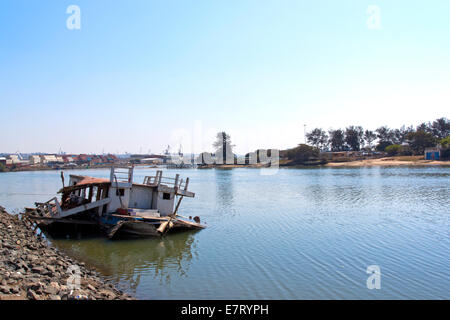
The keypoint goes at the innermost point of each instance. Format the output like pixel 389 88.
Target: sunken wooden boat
pixel 117 206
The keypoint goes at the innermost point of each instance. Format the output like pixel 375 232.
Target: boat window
pixel 120 192
pixel 166 196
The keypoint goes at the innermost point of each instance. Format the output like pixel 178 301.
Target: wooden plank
pixel 113 230
pixel 84 207
pixel 188 224
pixel 62 220
pixel 137 218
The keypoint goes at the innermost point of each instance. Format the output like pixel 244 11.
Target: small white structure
pixel 35 159
pixel 14 158
pixel 48 158
pixel 152 160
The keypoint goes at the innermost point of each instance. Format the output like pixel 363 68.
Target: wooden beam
pixel 84 207
pixel 62 220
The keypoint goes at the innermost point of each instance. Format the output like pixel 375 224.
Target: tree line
pixel 404 140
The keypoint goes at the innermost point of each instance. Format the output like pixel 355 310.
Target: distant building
pixel 49 158
pixel 67 159
pixel 152 160
pixel 14 158
pixel 35 159
pixel 82 158
pixel 3 161
pixel 432 154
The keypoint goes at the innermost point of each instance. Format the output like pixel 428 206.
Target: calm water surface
pixel 298 234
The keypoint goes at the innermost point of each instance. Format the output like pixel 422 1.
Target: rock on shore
pixel 31 269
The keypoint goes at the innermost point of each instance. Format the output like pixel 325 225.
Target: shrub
pixel 383 145
pixel 420 140
pixel 445 143
pixel 303 153
pixel 393 149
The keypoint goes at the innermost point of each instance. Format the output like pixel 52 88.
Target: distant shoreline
pixel 103 166
pixel 379 162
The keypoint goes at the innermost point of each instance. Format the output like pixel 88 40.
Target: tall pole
pixel 304 132
pixel 224 147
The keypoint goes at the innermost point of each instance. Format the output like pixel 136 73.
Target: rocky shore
pixel 30 269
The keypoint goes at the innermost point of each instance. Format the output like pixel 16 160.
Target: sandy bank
pixel 232 166
pixel 389 161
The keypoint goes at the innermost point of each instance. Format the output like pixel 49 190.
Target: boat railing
pixel 158 179
pixel 121 174
pixel 51 207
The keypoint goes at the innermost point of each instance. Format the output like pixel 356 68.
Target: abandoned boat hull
pixel 115 226
pixel 138 229
pixel 117 205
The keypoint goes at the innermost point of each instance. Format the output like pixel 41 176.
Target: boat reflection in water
pixel 125 262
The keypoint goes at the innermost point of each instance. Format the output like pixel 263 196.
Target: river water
pixel 296 234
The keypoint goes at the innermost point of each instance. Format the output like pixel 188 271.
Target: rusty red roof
pixel 92 180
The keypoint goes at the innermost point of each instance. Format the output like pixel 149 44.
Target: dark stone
pixel 40 270
pixel 51 290
pixel 14 290
pixel 36 286
pixel 28 265
pixel 51 269
pixel 4 289
pixel 32 295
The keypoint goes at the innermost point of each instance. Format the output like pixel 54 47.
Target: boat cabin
pixel 155 196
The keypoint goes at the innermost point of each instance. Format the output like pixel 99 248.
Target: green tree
pixel 384 134
pixel 385 138
pixel 318 138
pixel 303 153
pixel 420 140
pixel 398 136
pixel 441 128
pixel 369 137
pixel 425 127
pixel 354 137
pixel 336 140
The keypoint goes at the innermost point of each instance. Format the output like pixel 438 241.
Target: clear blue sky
pixel 142 74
